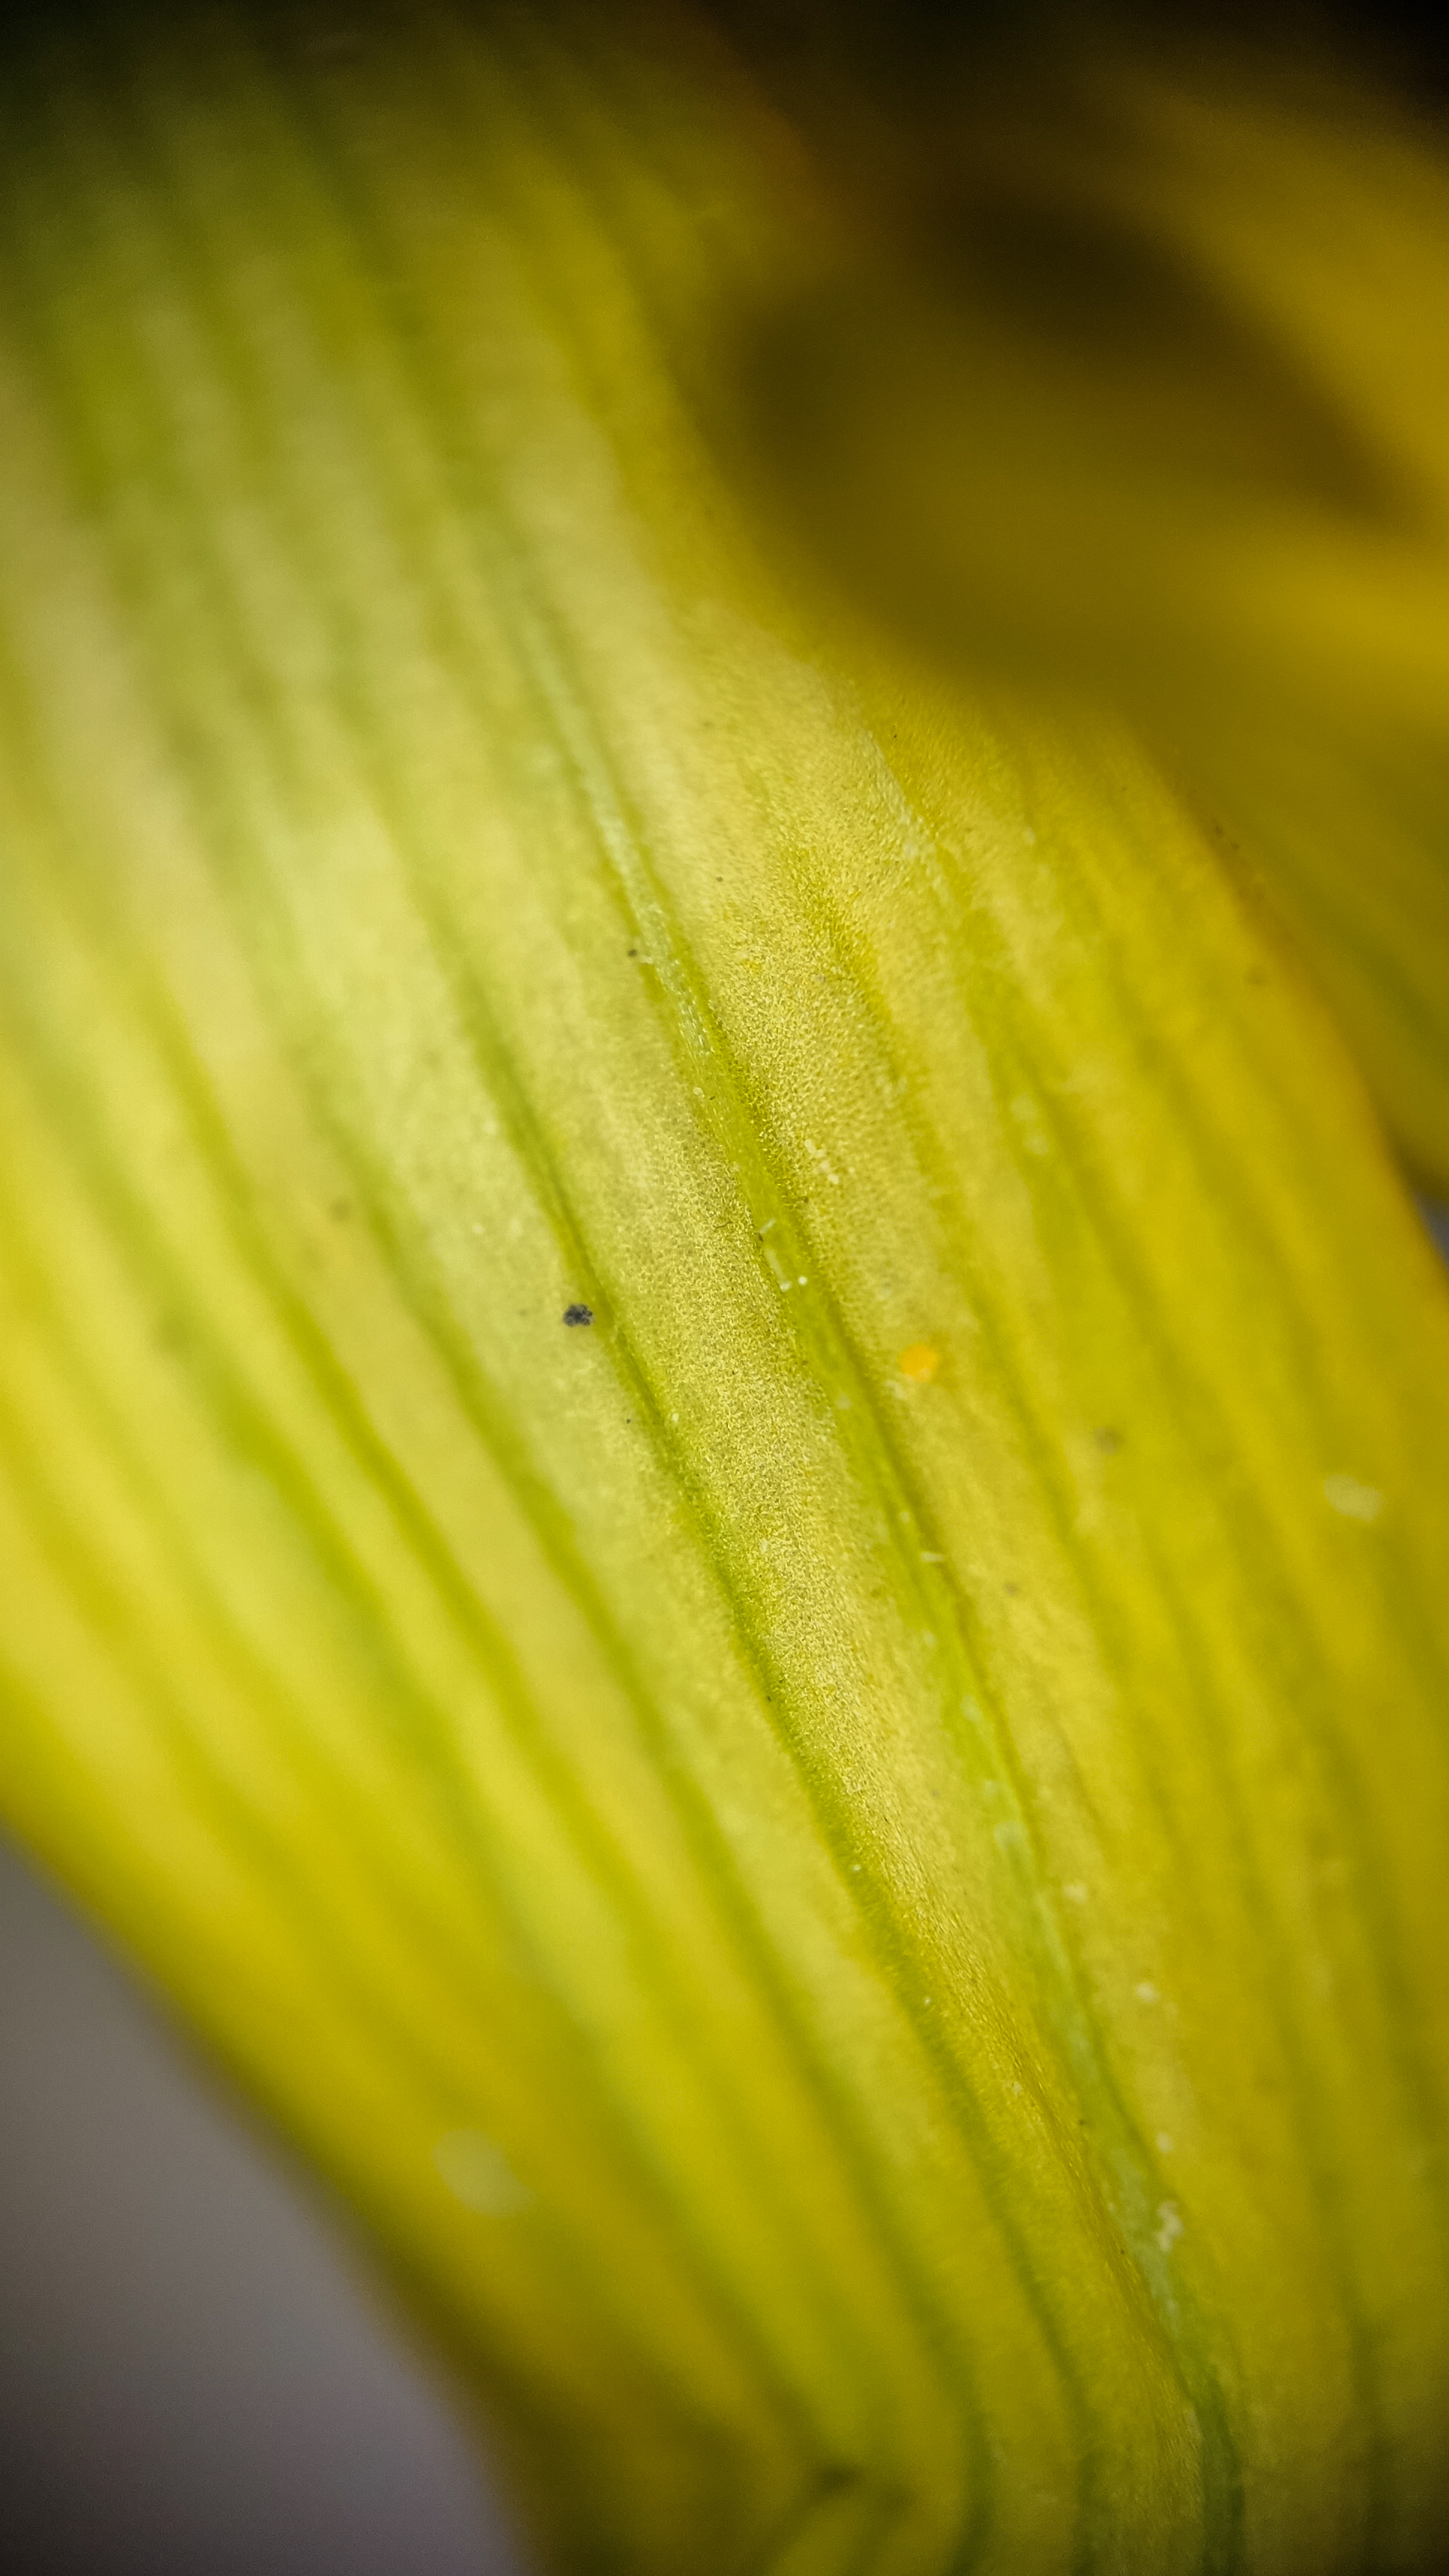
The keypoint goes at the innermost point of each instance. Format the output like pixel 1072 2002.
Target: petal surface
pixel 721 1441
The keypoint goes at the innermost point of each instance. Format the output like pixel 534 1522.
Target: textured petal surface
pixel 844 1853
pixel 1148 376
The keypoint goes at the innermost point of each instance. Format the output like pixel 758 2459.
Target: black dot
pixel 578 1314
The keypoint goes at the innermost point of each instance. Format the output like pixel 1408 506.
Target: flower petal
pixel 720 1434
pixel 1153 394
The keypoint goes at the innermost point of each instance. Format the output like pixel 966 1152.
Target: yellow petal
pixel 868 1936
pixel 1154 392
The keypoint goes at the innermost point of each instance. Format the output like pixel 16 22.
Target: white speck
pixel 674 1417
pixel 1075 1891
pixel 929 1557
pixel 971 1711
pixel 855 1869
pixel 1171 2228
pixel 1356 1502
pixel 1017 2087
pixel 1146 1993
pixel 926 2000
pixel 1164 2142
pixel 1028 1117
pixel 785 1286
pixel 479 2174
pixel 768 1227
pixel 823 1159
pixel 802 1283
pixel 1030 838
pixel 478 1229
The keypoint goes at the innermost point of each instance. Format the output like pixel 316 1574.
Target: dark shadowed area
pixel 193 2379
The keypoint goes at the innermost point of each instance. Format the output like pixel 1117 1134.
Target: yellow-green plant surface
pixel 1142 372
pixel 846 1861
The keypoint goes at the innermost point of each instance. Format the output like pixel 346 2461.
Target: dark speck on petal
pixel 578 1314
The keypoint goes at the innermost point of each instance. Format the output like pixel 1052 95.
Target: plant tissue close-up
pixel 724 1073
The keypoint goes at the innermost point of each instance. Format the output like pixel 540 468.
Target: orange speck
pixel 919 1363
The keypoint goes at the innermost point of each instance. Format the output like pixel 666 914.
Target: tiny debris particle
pixel 1146 1993
pixel 919 1363
pixel 1356 1502
pixel 578 1314
pixel 1107 1440
pixel 478 2173
pixel 1164 2142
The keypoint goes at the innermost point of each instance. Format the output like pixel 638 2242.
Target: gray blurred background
pixel 194 2379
